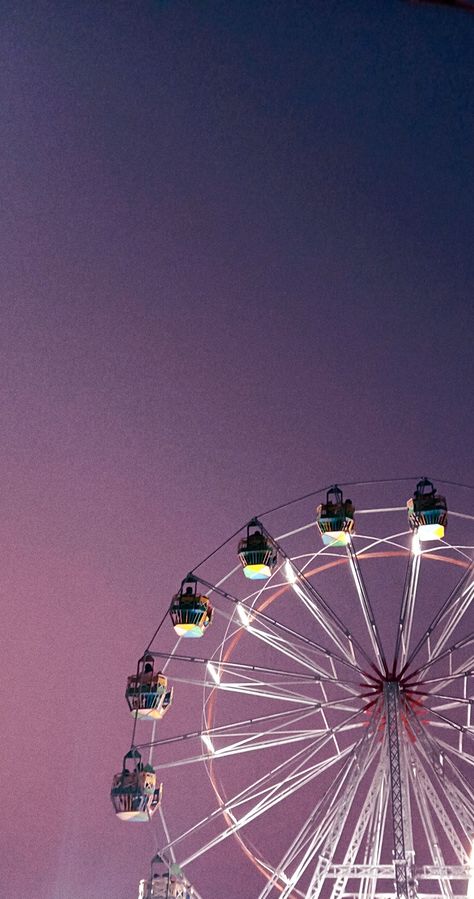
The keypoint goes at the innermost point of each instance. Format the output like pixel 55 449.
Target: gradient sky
pixel 236 244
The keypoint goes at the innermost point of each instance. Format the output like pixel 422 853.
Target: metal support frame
pixel 366 606
pixel 375 795
pixel 404 880
pixel 362 757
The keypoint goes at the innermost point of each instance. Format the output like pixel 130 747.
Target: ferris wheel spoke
pixel 463 800
pixel 464 672
pixel 299 760
pixel 450 732
pixel 453 617
pixel 331 623
pixel 268 690
pixel 293 652
pixel 310 846
pixel 288 649
pixel 323 738
pixel 248 746
pixel 299 579
pixel 407 608
pixel 282 695
pixel 457 750
pixel 311 772
pixel 465 784
pixel 458 705
pixel 327 613
pixel 276 690
pixel 327 736
pixel 463 715
pixel 455 594
pixel 445 679
pixel 309 659
pixel 324 813
pixel 257 614
pixel 445 654
pixel 366 607
pixel 224 665
pixel 318 813
pixel 218 754
pixel 308 662
pixel 462 789
pixel 430 752
pixel 239 798
pixel 223 729
pixel 212 752
pixel 297 780
pixel 249 743
pixel 450 701
pixel 366 815
pixel 353 771
pixel 317 613
pixel 275 795
pixel 435 794
pixel 248 817
pixel 362 760
pixel 462 729
pixel 430 835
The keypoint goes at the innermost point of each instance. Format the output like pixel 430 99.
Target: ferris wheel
pixel 331 691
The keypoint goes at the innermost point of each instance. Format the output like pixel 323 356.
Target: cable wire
pixel 358 484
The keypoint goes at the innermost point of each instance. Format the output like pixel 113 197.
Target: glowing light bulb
pixel 243 615
pixel 258 571
pixel 208 743
pixel 431 531
pixel 214 672
pixel 290 572
pixel 336 538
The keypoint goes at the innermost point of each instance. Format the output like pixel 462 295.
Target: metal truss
pixel 362 757
pixel 385 872
pixel 402 859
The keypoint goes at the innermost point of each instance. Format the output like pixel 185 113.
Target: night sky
pixel 237 265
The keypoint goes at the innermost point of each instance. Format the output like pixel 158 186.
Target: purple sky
pixel 237 264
